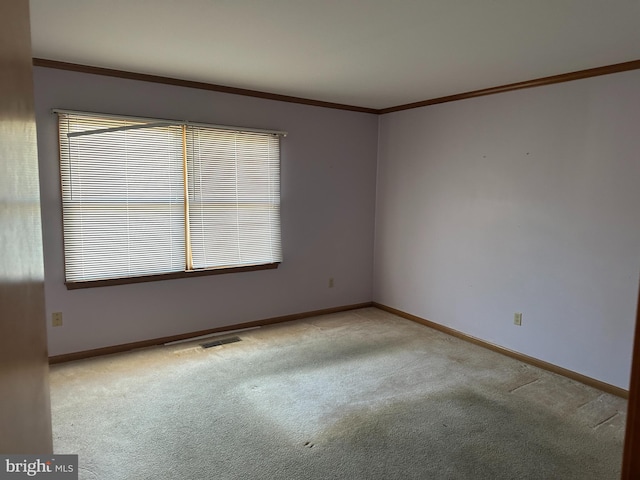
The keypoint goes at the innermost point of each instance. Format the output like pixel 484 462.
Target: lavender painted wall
pixel 328 198
pixel 527 201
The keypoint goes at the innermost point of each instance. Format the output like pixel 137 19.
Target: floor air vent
pixel 222 341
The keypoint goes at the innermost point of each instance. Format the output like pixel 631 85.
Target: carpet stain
pixel 467 434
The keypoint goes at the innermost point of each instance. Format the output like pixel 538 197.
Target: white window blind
pixel 234 197
pixel 127 185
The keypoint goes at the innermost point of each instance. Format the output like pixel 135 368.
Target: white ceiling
pixel 368 53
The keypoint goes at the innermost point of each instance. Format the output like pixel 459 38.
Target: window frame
pixel 168 276
pixel 186 273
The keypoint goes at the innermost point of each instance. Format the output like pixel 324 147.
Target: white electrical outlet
pixel 517 319
pixel 56 319
pixel 331 282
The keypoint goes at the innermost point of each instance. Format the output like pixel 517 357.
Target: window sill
pixel 168 276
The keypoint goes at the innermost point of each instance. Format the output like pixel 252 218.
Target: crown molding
pixel 538 82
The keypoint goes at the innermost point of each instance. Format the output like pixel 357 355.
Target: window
pixel 145 197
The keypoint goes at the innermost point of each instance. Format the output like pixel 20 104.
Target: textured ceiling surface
pixel 367 53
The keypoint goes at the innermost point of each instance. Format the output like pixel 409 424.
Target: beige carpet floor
pixel 355 395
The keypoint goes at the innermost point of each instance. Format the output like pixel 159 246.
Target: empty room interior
pixel 455 286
